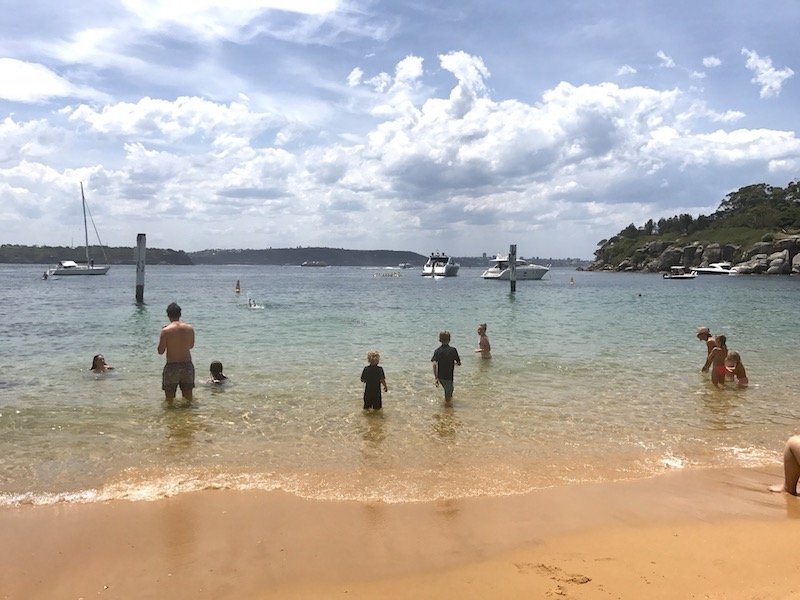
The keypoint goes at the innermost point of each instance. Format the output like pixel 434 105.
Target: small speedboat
pixel 678 272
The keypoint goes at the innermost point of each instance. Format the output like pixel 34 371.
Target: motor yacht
pixel 501 269
pixel 440 265
pixel 717 268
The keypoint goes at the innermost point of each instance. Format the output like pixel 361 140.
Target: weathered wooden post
pixel 512 264
pixel 141 250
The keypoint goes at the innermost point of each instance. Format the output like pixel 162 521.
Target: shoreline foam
pixel 226 544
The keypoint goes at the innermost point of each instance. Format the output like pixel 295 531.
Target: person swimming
pixel 99 364
pixel 217 376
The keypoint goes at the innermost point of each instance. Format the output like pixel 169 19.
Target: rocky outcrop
pixel 769 256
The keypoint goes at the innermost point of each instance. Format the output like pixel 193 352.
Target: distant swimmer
pixel 374 379
pixel 177 340
pixel 572 281
pixel 791 467
pixel 484 347
pixel 444 360
pixel 217 377
pixel 99 364
pixel 238 288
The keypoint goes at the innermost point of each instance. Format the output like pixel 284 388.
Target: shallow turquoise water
pixel 593 381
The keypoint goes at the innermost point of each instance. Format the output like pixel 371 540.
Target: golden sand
pixel 708 534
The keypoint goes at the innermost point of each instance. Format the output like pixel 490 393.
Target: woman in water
pixel 99 364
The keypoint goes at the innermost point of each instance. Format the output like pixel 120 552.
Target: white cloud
pixel 171 121
pixel 407 72
pixel 355 76
pixel 22 81
pixel 577 158
pixel 30 140
pixel 710 62
pixel 666 60
pixel 217 19
pixel 697 75
pixel 768 77
pixel 380 82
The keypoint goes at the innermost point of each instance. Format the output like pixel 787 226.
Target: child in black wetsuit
pixel 373 379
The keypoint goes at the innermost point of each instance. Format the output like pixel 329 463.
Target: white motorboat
pixel 717 268
pixel 501 269
pixel 440 265
pixel 70 267
pixel 678 272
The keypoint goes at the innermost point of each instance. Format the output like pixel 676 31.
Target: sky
pixel 412 125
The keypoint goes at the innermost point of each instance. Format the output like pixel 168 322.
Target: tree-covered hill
pixel 752 214
pixel 50 255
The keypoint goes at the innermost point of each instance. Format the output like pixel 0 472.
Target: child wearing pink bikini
pixel 716 360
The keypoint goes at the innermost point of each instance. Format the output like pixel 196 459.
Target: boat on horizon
pixel 70 267
pixel 440 265
pixel 314 263
pixel 524 270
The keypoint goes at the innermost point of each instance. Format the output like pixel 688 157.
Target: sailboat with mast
pixel 70 267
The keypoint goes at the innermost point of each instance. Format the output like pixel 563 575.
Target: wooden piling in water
pixel 512 264
pixel 141 250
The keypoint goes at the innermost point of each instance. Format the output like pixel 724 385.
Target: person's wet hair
pixel 94 361
pixel 174 311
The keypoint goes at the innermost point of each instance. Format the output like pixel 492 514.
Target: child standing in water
pixel 373 378
pixel 484 347
pixel 716 360
pixel 444 360
pixel 735 368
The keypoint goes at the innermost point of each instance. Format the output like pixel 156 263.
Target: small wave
pixel 751 456
pixel 390 490
pixel 673 462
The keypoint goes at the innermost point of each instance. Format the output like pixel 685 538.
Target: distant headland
pixel 756 229
pixel 335 257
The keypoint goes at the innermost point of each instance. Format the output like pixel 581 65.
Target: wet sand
pixel 705 534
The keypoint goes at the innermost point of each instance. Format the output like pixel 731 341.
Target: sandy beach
pixel 704 534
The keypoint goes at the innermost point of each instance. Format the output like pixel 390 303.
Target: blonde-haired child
pixel 373 378
pixel 735 368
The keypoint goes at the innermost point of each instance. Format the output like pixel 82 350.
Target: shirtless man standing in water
pixel 177 340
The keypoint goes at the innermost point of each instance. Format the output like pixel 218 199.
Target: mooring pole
pixel 141 250
pixel 512 264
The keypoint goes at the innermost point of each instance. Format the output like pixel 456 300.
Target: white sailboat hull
pixel 78 270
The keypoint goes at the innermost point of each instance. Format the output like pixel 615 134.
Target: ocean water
pixel 591 381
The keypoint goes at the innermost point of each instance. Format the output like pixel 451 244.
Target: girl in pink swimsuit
pixel 716 359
